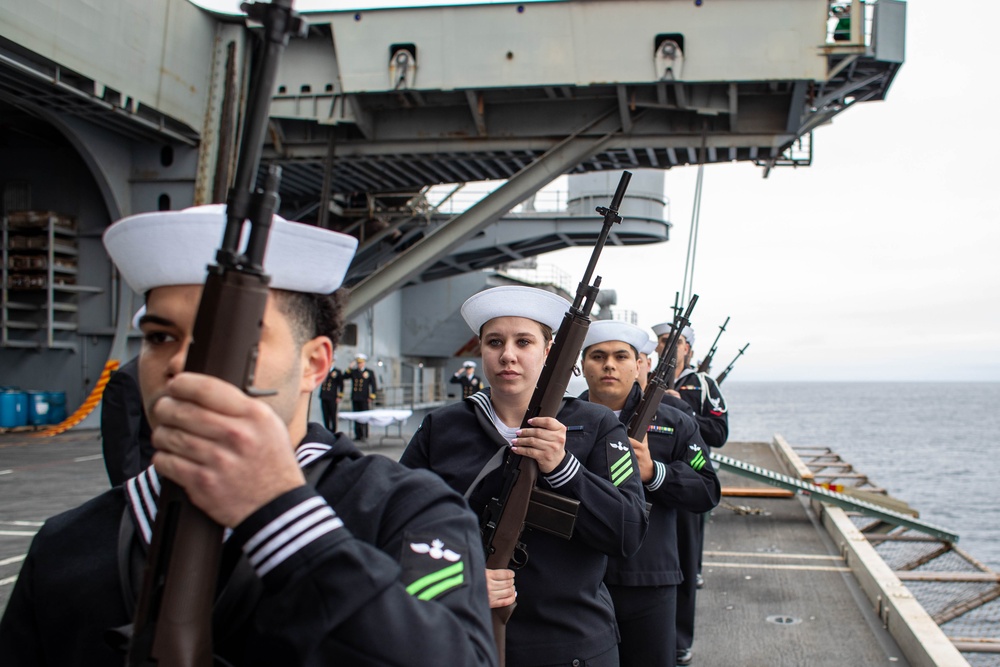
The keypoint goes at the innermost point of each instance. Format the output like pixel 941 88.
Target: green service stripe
pixel 434 577
pixel 698 462
pixel 442 587
pixel 620 462
pixel 621 475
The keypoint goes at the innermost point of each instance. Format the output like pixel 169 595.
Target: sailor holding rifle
pixel 564 614
pixel 700 394
pixel 332 558
pixel 676 474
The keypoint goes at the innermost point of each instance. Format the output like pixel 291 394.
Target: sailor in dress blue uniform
pixel 676 474
pixel 699 394
pixel 363 388
pixel 332 558
pixel 468 379
pixel 564 613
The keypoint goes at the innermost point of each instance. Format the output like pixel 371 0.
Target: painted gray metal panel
pixel 580 43
pixel 889 31
pixel 156 52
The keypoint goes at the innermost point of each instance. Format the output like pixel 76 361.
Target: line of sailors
pixel 622 590
pixel 334 557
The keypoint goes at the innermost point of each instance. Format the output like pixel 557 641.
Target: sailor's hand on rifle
pixel 500 587
pixel 230 452
pixel 641 449
pixel 672 392
pixel 544 440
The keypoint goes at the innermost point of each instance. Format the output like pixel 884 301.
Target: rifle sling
pixel 547 510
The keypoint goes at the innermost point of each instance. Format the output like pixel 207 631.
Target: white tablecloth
pixel 377 417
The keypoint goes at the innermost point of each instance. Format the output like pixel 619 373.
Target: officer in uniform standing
pixel 333 558
pixel 330 393
pixel 467 378
pixel 676 474
pixel 698 393
pixel 363 388
pixel 564 614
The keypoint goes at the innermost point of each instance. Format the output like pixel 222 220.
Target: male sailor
pixel 331 557
pixel 701 395
pixel 468 379
pixel 363 388
pixel 676 475
pixel 330 393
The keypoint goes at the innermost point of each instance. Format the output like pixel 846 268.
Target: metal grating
pixel 961 594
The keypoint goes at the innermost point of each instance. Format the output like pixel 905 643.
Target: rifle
pixel 173 620
pixel 706 363
pixel 661 379
pixel 504 517
pixel 723 374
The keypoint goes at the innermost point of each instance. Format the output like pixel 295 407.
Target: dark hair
pixel 312 315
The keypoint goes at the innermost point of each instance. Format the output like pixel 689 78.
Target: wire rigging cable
pixel 687 287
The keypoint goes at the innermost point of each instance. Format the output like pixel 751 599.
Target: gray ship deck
pixel 778 590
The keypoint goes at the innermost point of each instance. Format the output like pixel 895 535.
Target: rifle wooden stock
pixel 504 518
pixel 173 621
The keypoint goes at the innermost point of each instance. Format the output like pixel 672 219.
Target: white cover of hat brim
pixel 175 247
pixel 361 357
pixel 649 347
pixel 667 327
pixel 514 301
pixel 603 331
pixel 663 328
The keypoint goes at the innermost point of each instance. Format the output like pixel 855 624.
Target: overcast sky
pixel 880 261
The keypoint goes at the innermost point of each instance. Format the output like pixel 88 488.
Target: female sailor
pixel 564 613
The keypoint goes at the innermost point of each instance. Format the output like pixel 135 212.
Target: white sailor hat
pixel 361 356
pixel 514 301
pixel 667 327
pixel 604 330
pixel 469 364
pixel 175 247
pixel 649 347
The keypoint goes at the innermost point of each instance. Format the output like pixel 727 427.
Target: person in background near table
pixel 468 379
pixel 676 474
pixel 564 614
pixel 698 393
pixel 330 393
pixel 333 558
pixel 363 388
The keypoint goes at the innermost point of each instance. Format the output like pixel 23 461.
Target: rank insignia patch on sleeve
pixel 619 462
pixel 431 568
pixel 698 460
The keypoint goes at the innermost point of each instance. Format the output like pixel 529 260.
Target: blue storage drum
pixel 38 408
pixel 13 408
pixel 57 407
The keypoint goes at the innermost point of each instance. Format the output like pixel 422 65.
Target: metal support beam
pixel 477 108
pixel 447 238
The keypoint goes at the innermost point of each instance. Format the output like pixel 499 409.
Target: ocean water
pixel 935 446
